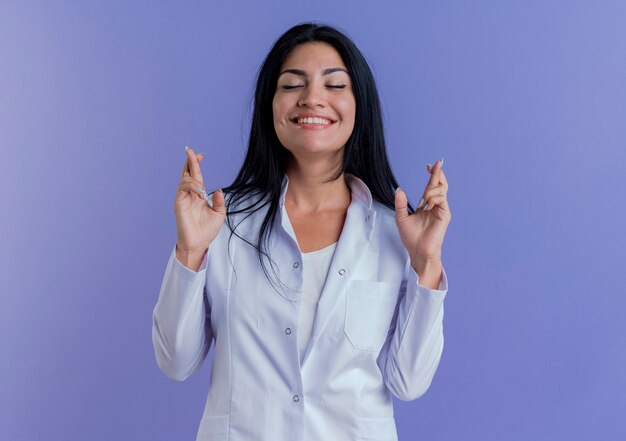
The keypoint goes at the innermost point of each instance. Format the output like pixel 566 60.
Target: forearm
pixel 191 259
pixel 410 358
pixel 429 272
pixel 181 335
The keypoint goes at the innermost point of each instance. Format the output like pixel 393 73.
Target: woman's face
pixel 313 83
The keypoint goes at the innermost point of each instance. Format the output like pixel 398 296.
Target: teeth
pixel 313 121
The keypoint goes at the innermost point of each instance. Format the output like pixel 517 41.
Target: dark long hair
pixel 263 169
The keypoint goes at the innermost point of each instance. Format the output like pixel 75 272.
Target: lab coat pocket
pixel 369 310
pixel 376 429
pixel 214 428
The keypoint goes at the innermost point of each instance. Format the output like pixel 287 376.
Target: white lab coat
pixel 376 332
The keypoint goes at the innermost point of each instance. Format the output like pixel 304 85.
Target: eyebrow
pixel 324 72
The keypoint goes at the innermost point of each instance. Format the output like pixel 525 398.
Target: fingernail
pixel 202 190
pixel 186 148
pixel 397 190
pixel 442 161
pixel 425 207
pixel 421 202
pixel 220 190
pixel 428 166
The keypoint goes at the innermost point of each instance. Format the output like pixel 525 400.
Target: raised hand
pixel 197 222
pixel 422 232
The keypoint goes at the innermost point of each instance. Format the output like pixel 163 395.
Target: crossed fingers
pixel 436 189
pixel 192 176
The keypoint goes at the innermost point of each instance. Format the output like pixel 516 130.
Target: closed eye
pixel 338 86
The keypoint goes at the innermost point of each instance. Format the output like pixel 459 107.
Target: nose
pixel 312 96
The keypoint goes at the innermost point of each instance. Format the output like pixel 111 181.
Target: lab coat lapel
pixel 354 239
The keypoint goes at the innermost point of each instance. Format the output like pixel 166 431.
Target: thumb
pixel 401 202
pixel 219 204
pixel 200 156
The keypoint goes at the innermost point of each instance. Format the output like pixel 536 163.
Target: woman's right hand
pixel 197 222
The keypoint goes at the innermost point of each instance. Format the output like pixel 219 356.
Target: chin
pixel 313 148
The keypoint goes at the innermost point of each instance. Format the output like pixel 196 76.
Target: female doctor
pixel 320 288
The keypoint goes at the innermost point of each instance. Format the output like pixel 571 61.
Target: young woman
pixel 319 286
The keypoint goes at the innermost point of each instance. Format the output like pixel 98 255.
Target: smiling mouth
pixel 312 121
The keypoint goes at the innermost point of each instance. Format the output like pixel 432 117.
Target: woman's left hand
pixel 422 232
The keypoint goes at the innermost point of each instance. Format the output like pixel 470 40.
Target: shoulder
pixel 245 209
pixel 386 215
pixel 389 233
pixel 238 203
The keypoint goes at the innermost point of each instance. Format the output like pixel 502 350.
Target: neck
pixel 308 193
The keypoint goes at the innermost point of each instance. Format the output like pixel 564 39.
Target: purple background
pixel 526 101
